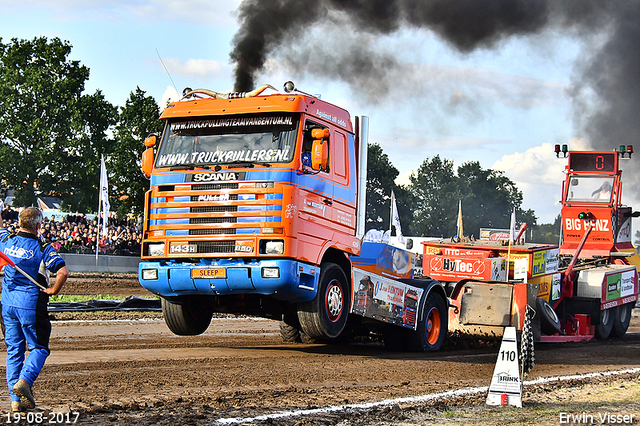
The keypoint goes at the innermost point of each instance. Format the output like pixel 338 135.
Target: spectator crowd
pixel 75 233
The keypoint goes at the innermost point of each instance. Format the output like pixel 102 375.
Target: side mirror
pixel 320 133
pixel 150 141
pixel 320 149
pixel 319 155
pixel 147 161
pixel 409 244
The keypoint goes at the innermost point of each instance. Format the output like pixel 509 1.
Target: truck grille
pixel 214 186
pixel 214 209
pixel 216 247
pixel 212 231
pixel 199 220
pixel 202 212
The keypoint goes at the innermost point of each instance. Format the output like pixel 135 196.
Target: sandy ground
pixel 130 369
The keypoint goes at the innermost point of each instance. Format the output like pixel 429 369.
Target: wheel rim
pixel 625 312
pixel 333 300
pixel 606 317
pixel 552 314
pixel 433 326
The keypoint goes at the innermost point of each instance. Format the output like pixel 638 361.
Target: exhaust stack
pixel 362 142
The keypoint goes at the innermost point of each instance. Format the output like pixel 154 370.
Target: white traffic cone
pixel 506 386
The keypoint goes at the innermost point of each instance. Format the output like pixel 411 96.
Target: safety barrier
pixel 105 263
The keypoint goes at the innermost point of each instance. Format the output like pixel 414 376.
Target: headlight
pixel 156 249
pixel 150 274
pixel 274 247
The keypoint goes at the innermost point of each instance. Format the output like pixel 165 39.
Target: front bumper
pixel 295 282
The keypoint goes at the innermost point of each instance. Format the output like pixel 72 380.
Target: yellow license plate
pixel 209 273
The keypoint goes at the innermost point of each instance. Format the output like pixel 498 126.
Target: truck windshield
pixel 589 189
pixel 252 139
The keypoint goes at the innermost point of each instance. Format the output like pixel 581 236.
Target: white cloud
pixel 170 95
pixel 403 178
pixel 539 175
pixel 201 69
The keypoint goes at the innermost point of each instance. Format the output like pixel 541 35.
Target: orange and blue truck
pixel 256 206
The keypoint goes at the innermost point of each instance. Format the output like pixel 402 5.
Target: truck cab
pixel 250 197
pixel 592 205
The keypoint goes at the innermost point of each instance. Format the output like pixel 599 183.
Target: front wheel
pixel 190 317
pixel 603 329
pixel 326 315
pixel 433 325
pixel 621 319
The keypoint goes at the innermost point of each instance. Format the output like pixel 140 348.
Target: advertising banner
pixel 620 285
pixel 449 268
pixel 385 299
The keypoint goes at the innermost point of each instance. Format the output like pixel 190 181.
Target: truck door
pixel 314 199
pixel 342 174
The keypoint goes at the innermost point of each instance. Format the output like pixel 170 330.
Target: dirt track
pixel 134 371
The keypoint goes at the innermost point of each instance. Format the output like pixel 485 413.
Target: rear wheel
pixel 289 333
pixel 432 328
pixel 326 315
pixel 621 319
pixel 605 325
pixel 190 317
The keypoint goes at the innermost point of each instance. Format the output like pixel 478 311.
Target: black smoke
pixel 606 81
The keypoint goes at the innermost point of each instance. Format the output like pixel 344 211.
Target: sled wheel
pixel 549 321
pixel 326 315
pixel 604 327
pixel 621 319
pixel 188 317
pixel 432 328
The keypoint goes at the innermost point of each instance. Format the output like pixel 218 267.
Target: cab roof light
pixel 628 149
pixel 564 150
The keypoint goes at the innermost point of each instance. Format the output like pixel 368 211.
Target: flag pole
pixel 512 235
pixel 6 260
pixel 391 213
pixel 98 222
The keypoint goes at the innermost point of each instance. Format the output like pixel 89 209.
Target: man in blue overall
pixel 24 305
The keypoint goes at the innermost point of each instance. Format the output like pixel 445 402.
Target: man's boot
pixel 17 407
pixel 23 390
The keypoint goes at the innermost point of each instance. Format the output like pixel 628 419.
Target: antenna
pixel 167 71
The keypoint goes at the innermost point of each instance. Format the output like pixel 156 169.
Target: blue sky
pixel 504 107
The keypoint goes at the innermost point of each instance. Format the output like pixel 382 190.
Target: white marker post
pixel 506 386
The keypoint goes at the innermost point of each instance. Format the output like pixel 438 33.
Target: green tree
pixel 50 132
pixel 488 199
pixel 435 191
pixel 548 233
pixel 381 175
pixel 138 118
